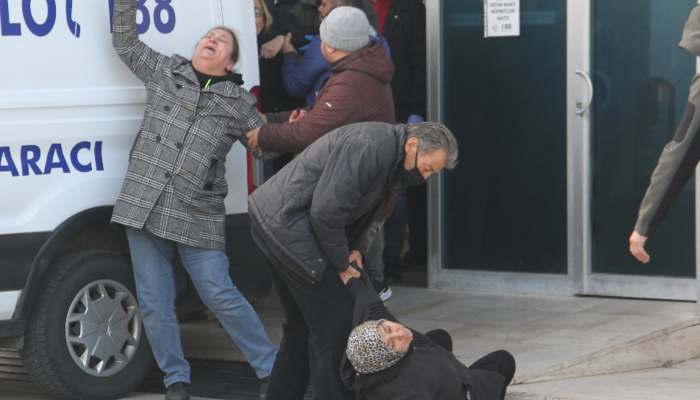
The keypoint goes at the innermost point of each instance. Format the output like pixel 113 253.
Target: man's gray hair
pixel 433 136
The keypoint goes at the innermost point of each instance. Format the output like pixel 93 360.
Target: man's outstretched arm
pixel 676 165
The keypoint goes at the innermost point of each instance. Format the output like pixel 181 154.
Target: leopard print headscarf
pixel 367 351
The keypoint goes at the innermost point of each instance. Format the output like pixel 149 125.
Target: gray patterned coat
pixel 175 184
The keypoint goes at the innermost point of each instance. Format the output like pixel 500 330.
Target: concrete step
pixel 674 344
pixel 677 381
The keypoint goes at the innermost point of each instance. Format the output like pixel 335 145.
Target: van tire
pixel 71 281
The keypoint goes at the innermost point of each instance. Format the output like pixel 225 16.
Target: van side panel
pixel 69 111
pixel 16 255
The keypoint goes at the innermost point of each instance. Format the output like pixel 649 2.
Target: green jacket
pixel 680 157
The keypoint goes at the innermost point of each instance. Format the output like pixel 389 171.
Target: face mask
pixel 412 177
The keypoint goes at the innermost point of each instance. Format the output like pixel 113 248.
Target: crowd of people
pixel 342 129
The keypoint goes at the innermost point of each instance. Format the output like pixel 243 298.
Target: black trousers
pixel 491 374
pixel 314 336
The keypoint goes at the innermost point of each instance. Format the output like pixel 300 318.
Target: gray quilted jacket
pixel 316 210
pixel 175 184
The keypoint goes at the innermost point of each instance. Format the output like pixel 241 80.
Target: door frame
pixel 579 279
pixel 580 182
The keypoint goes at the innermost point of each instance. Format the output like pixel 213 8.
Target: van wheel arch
pixel 51 354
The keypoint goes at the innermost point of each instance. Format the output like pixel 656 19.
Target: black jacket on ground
pixel 426 372
pixel 316 210
pixel 404 31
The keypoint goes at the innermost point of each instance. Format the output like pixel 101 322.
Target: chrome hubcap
pixel 103 328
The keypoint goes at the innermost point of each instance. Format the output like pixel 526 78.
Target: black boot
pixel 392 270
pixel 178 391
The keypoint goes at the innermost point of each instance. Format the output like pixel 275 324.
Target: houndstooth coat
pixel 175 184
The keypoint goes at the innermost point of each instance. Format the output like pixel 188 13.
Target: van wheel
pixel 84 338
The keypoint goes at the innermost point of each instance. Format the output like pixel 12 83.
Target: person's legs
pixel 326 309
pixel 395 234
pixel 417 218
pixel 209 272
pixel 290 374
pixel 500 362
pixel 373 260
pixel 155 286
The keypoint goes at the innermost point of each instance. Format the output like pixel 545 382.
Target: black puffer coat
pixel 317 209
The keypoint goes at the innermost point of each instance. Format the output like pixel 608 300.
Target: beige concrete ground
pixel 551 337
pixel 546 334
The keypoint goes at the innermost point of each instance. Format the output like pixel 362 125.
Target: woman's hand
pixel 262 116
pixel 287 46
pixel 271 48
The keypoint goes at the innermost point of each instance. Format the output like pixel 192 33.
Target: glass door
pixel 640 83
pixel 504 208
pixel 559 130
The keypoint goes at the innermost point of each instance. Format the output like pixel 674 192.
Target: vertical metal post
pixel 434 61
pixel 578 143
pixel 697 216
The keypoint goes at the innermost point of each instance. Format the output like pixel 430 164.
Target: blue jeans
pixel 155 286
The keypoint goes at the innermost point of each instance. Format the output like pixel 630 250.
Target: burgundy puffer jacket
pixel 357 91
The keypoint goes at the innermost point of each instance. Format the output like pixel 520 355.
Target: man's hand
pixel 637 247
pixel 297 116
pixel 287 45
pixel 351 272
pixel 262 116
pixel 271 48
pixel 253 141
pixel 357 257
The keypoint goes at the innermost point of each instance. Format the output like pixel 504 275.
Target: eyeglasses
pixel 258 13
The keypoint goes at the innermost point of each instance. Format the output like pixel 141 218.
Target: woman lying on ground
pixel 386 360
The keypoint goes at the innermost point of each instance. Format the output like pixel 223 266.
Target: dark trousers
pixel 314 336
pixel 491 373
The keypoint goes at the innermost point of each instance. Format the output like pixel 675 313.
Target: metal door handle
pixel 590 92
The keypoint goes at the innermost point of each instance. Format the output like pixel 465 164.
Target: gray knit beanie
pixel 346 29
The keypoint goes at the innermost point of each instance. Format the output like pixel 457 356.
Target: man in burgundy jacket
pixel 357 91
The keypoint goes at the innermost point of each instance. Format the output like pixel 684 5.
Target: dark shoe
pixel 178 391
pixel 264 382
pixel 392 270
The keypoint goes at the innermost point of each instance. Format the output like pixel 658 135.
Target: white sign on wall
pixel 501 18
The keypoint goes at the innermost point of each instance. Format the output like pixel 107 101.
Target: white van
pixel 69 113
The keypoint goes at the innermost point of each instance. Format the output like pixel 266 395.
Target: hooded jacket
pixel 427 371
pixel 357 91
pixel 303 77
pixel 316 210
pixel 680 157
